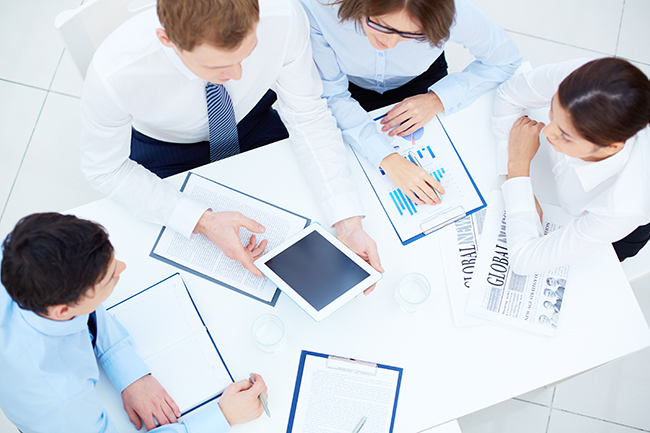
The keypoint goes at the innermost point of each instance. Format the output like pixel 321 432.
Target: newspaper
pixel 459 244
pixel 530 303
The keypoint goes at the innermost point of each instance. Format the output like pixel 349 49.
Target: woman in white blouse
pixel 598 141
pixel 373 53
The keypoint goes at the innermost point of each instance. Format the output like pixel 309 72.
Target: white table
pixel 448 371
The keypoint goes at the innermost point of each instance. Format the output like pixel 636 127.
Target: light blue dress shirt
pixel 343 53
pixel 48 373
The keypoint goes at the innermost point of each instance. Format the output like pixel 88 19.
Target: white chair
pixel 83 29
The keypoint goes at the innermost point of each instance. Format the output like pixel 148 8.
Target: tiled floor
pixel 39 171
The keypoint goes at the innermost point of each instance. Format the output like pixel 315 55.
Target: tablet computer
pixel 317 271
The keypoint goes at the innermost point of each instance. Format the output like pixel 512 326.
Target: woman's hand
pixel 412 114
pixel 522 146
pixel 412 180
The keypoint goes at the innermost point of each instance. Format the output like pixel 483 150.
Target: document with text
pixel 430 148
pixel 202 257
pixel 531 302
pixel 459 244
pixel 170 336
pixel 333 394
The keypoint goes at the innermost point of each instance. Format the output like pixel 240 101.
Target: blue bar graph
pixel 430 151
pixel 420 154
pixel 404 200
pixel 438 174
pixel 392 196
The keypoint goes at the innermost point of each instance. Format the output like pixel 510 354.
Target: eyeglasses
pixel 376 26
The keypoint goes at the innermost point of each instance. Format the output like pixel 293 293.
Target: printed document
pixel 433 150
pixel 200 256
pixel 334 395
pixel 459 244
pixel 530 303
pixel 170 336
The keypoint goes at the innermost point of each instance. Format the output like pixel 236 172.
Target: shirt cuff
pixel 376 148
pixel 186 215
pixel 342 206
pixel 125 367
pixel 449 93
pixel 209 419
pixel 518 195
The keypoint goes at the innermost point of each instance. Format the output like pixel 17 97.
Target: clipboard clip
pixel 351 365
pixel 442 219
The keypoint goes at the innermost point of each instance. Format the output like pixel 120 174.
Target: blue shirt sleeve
pixel 497 58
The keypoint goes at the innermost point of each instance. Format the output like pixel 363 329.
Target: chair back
pixel 83 29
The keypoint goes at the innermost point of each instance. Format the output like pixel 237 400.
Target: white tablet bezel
pixel 372 278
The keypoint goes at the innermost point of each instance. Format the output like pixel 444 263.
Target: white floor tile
pixel 617 391
pixel 50 178
pixel 19 108
pixel 635 32
pixel 589 24
pixel 541 51
pixel 511 416
pixel 542 396
pixel 29 40
pixel 562 422
pixel 67 79
pixel 5 425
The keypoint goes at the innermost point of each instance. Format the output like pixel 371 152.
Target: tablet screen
pixel 317 270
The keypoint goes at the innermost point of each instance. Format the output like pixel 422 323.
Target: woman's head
pixel 604 102
pixel 387 22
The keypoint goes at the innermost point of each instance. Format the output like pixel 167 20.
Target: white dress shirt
pixel 343 53
pixel 134 80
pixel 607 199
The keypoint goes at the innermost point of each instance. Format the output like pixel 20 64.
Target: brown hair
pixel 608 100
pixel 220 23
pixel 435 16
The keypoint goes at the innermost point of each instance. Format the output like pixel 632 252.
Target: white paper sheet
pixel 168 334
pixel 334 400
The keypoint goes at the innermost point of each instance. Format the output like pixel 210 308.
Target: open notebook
pixel 170 336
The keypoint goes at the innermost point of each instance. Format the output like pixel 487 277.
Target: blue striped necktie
pixel 224 139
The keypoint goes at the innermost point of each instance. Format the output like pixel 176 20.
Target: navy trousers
pixel 261 126
pixel 371 100
pixel 632 243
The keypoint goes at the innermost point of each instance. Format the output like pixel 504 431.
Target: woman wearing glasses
pixel 598 142
pixel 373 53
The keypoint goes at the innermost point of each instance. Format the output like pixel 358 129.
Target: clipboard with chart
pixel 339 392
pixel 431 148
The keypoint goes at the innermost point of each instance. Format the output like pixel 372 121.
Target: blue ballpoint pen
pixel 266 408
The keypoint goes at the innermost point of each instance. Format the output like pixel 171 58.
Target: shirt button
pixel 381 54
pixel 380 76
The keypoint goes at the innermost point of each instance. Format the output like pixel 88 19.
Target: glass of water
pixel 268 333
pixel 412 291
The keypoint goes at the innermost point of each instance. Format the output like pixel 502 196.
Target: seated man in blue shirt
pixel 56 272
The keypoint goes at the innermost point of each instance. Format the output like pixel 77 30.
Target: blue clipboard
pixel 303 357
pixel 276 295
pixel 461 213
pixel 206 330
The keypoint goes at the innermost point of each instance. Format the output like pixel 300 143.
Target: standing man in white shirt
pixel 147 113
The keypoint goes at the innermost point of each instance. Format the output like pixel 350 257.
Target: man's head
pixel 211 37
pixel 58 266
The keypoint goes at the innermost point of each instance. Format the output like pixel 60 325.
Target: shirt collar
pixel 178 63
pixel 591 174
pixel 54 327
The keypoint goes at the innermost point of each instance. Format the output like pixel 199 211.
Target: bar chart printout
pixel 436 154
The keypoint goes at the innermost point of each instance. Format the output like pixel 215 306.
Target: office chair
pixel 83 29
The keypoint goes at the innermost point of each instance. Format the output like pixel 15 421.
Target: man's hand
pixel 146 398
pixel 412 114
pixel 240 401
pixel 414 181
pixel 222 228
pixel 351 233
pixel 522 146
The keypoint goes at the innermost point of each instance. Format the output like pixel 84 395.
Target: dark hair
pixel 219 23
pixel 52 259
pixel 435 16
pixel 608 100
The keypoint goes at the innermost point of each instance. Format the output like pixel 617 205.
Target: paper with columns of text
pixel 200 256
